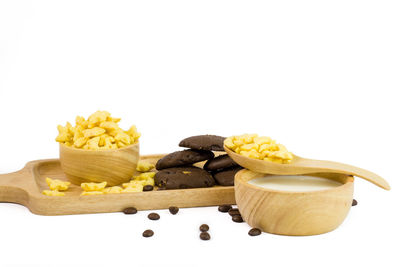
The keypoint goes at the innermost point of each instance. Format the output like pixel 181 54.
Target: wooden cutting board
pixel 25 187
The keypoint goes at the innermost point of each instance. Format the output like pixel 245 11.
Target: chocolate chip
pixel 148 188
pixel 237 218
pixel 153 216
pixel 224 208
pixel 254 232
pixel 205 236
pixel 204 228
pixel 161 188
pixel 148 233
pixel 130 210
pixel 173 210
pixel 354 202
pixel 234 212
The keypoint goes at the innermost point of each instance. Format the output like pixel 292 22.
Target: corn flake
pixel 144 166
pixel 99 132
pixel 55 184
pixel 259 147
pixel 112 190
pixel 93 186
pixel 53 193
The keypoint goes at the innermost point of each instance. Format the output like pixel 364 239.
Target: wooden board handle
pixel 11 189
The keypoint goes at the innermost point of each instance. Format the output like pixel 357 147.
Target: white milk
pixel 294 183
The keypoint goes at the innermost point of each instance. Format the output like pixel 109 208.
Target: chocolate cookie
pixel 182 158
pixel 204 142
pixel 183 177
pixel 226 177
pixel 219 163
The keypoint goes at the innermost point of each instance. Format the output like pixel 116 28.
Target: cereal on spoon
pixel 259 147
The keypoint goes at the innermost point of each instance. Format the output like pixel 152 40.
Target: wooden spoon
pixel 303 166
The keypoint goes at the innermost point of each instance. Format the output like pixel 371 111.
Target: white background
pixel 321 77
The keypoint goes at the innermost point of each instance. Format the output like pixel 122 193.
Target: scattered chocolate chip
pixel 130 210
pixel 237 218
pixel 148 188
pixel 173 210
pixel 354 202
pixel 148 233
pixel 205 236
pixel 234 212
pixel 204 228
pixel 153 216
pixel 254 232
pixel 224 208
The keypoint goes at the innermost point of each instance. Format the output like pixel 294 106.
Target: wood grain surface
pixel 301 165
pixel 25 187
pixel 293 213
pixel 114 166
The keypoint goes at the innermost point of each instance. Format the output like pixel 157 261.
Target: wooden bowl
pixel 293 213
pixel 115 166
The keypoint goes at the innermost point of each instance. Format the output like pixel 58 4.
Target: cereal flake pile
pixel 136 184
pixel 259 147
pixel 99 132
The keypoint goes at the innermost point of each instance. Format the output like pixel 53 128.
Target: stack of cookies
pixel 176 170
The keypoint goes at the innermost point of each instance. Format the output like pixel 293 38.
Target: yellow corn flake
pixel 144 166
pixel 68 144
pixel 63 135
pixel 53 193
pixel 146 178
pixel 55 184
pixel 98 117
pixel 80 142
pixel 99 132
pixel 93 186
pixel 123 137
pixel 143 182
pixel 248 147
pixel 132 189
pixel 137 183
pixel 93 143
pixel 229 143
pixel 80 121
pixel 96 131
pixel 262 140
pixel 146 175
pixel 131 183
pixel 238 142
pixel 120 144
pixel 259 147
pixel 112 190
pixel 143 179
pixel 91 193
pixel 116 120
pixel 109 125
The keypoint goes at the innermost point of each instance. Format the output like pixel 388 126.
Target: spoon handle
pixel 331 166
